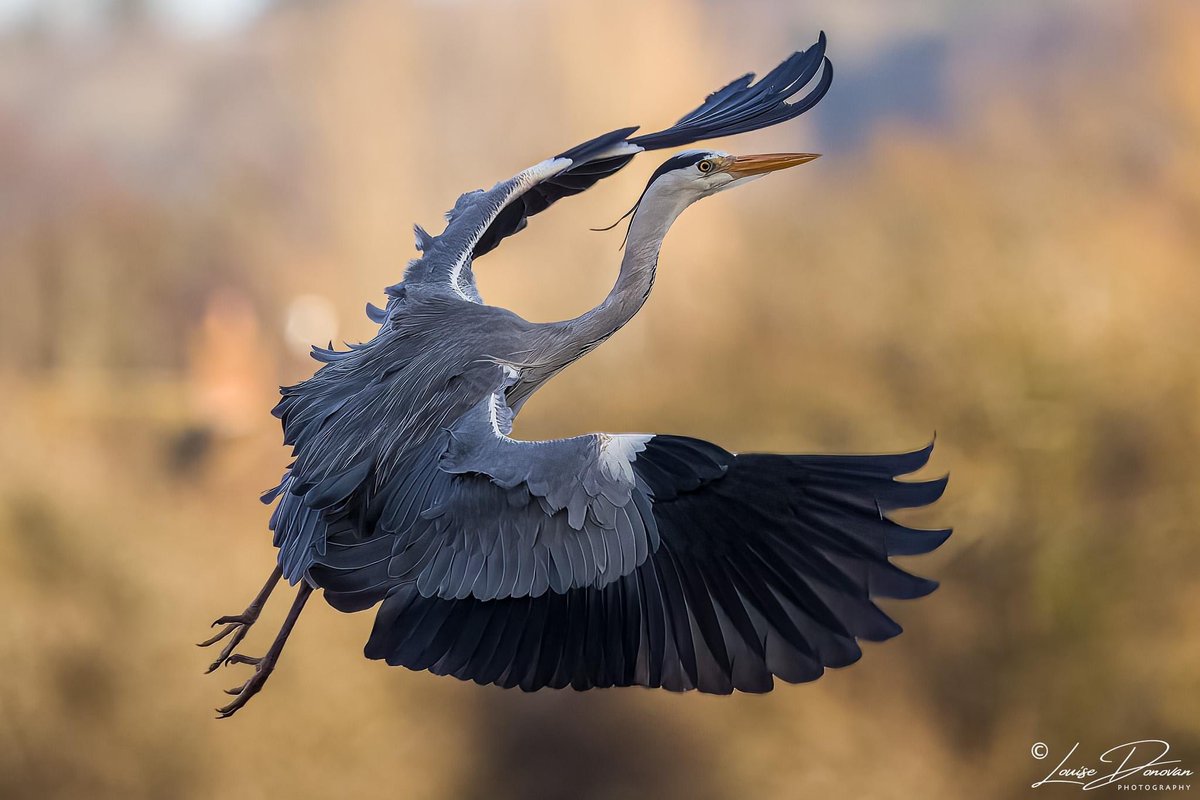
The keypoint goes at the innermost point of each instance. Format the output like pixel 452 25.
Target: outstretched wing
pixel 738 107
pixel 767 565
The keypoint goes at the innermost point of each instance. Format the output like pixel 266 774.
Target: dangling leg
pixel 263 667
pixel 239 624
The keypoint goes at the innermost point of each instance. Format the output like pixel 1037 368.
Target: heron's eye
pixel 705 166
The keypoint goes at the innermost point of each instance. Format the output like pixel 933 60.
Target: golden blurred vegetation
pixel 1018 272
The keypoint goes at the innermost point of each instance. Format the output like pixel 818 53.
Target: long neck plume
pixel 657 211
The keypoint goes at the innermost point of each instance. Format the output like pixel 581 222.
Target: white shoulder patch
pixel 618 452
pixel 535 174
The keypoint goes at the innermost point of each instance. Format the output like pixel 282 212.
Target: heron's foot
pixel 238 625
pixel 263 667
pixel 236 628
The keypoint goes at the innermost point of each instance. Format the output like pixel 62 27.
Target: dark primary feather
pixel 739 107
pixel 573 181
pixel 768 567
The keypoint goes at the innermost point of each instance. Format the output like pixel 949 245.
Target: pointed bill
pixel 745 166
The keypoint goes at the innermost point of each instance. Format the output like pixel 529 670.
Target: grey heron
pixel 590 561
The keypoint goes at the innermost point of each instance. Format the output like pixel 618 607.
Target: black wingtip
pixel 906 541
pixel 922 587
pixel 594 147
pixel 741 106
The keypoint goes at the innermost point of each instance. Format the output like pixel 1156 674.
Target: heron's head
pixel 685 178
pixel 699 173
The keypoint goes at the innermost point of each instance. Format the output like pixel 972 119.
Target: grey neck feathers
pixel 658 210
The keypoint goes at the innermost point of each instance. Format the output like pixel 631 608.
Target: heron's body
pixel 597 560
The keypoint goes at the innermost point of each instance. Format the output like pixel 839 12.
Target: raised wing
pixel 739 107
pixel 767 566
pixel 480 220
pixel 447 257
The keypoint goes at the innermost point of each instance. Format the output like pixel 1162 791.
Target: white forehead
pixel 707 153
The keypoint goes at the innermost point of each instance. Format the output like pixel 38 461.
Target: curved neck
pixel 653 218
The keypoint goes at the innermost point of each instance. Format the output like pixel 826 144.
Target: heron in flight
pixel 590 561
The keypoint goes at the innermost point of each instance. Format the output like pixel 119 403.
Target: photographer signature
pixel 1146 758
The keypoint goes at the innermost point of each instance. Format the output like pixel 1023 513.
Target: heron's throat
pixel 656 212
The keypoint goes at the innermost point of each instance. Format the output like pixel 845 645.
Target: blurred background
pixel 1001 245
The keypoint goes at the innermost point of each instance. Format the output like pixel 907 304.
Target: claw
pixel 238 658
pixel 226 711
pixel 220 634
pixel 239 633
pixel 242 694
pixel 241 622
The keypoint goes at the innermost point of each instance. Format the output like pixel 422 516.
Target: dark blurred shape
pixel 189 449
pixel 592 747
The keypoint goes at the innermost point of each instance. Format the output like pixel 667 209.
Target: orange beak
pixel 744 166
